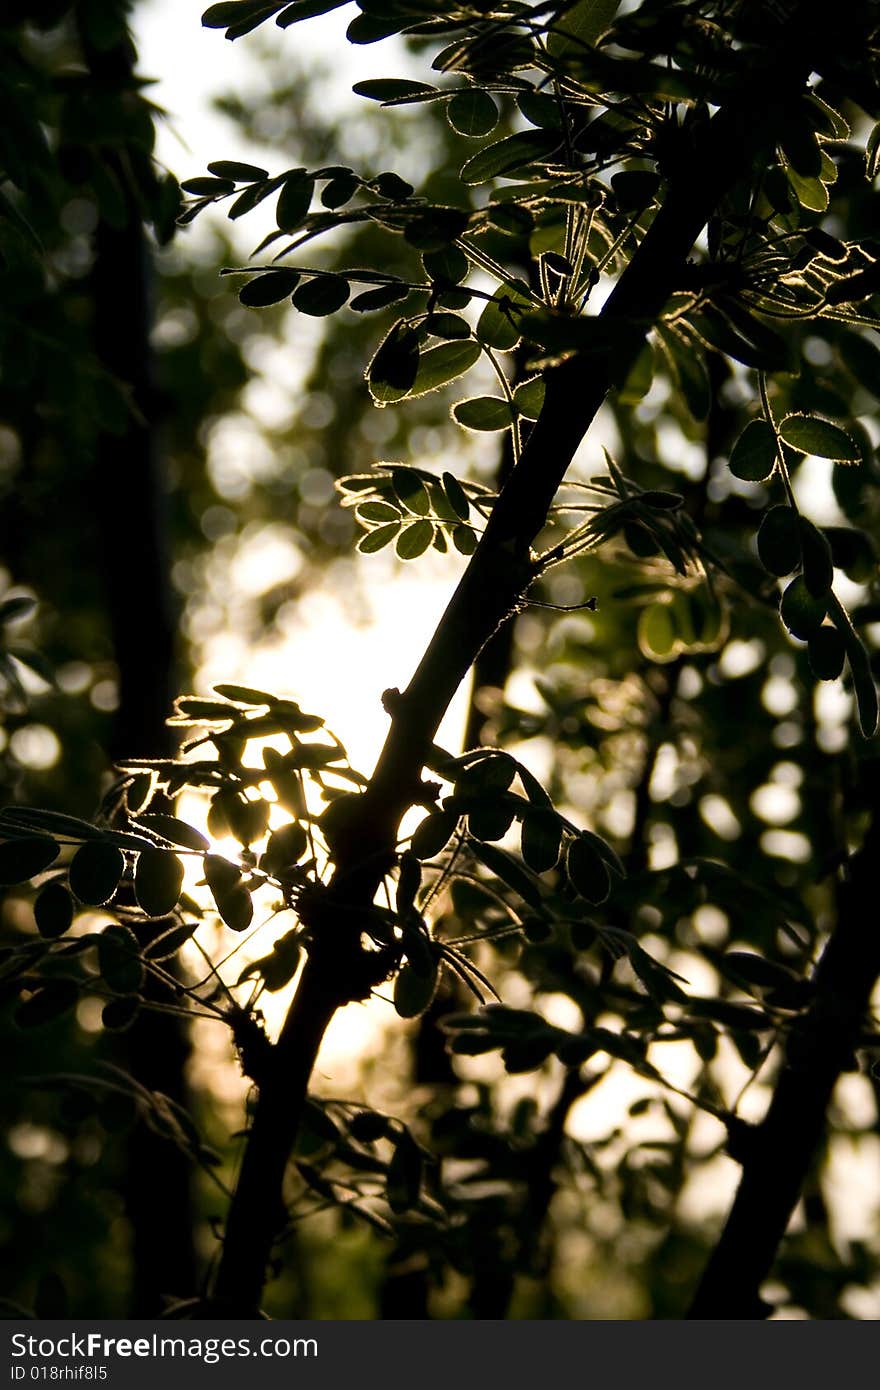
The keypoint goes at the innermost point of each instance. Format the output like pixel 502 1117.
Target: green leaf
pixel 443 364
pixel 826 653
pixel 449 266
pixel 448 326
pixel 95 871
pixel 484 413
pixel 414 539
pixel 414 991
pixel 581 24
pixel 587 870
pixel 811 435
pixel 464 540
pixel 779 540
pixel 753 456
pixel 410 490
pixel 47 1004
pixel 270 288
pixel 158 880
pixel 457 496
pixel 178 831
pixel 433 833
pixel 529 397
pixel 802 613
pixel 53 911
pixel 21 860
pixel 508 155
pixel 119 962
pixel 499 324
pixel 322 295
pixel 472 113
pixel 376 540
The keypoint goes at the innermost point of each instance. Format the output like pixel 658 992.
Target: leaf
pixel 826 653
pixel 119 1014
pixel 53 911
pixel 541 840
pixel 811 435
pixel 286 847
pixel 95 871
pixel 443 364
pixel 779 540
pixel 635 189
pixel 456 496
pixel 270 288
pixel 119 961
pixel 238 172
pixel 587 870
pixel 322 295
pixel 433 833
pixel 472 113
pixel 753 456
pixel 508 155
pixel 464 540
pixel 802 613
pixel 21 860
pixel 404 1174
pixel 389 88
pixel 529 397
pixel 158 880
pixel 410 490
pixel 414 991
pixel 816 559
pixel 859 665
pixel 449 266
pixel 499 325
pixel 47 1004
pixel 378 539
pixel 433 228
pixel 509 872
pixel 294 202
pixel 484 413
pixel 204 187
pixel 581 24
pixel 414 539
pixel 392 372
pixel 178 831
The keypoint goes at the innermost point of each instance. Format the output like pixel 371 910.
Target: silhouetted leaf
pixel 826 653
pixel 322 295
pixel 119 961
pixel 269 288
pixel 179 832
pixel 22 859
pixel 587 870
pixel 779 540
pixel 158 880
pixel 801 612
pixel 53 911
pixel 95 871
pixel 47 1003
pixel 472 113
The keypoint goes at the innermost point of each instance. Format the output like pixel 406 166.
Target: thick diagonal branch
pixel 778 1154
